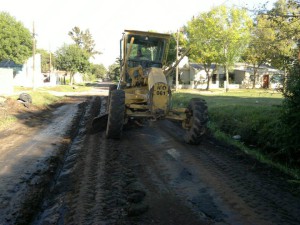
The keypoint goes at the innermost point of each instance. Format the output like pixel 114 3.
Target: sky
pixel 107 19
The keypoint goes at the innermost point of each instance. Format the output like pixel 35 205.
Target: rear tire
pixel 197 119
pixel 116 112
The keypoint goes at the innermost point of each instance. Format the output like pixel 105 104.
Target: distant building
pixel 241 75
pixel 23 75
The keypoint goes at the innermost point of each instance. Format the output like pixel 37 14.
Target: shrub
pixel 291 115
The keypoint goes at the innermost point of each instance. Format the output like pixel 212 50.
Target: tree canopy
pixel 46 61
pixel 15 40
pixel 286 19
pixel 220 35
pixel 84 40
pixel 114 71
pixel 260 48
pixel 72 58
pixel 285 22
pixel 204 44
pixel 98 70
pixel 182 44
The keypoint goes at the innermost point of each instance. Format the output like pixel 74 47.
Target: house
pixel 241 75
pixel 266 77
pixel 63 77
pixel 193 76
pixel 24 75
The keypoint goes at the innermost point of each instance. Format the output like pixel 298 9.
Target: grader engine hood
pixel 156 75
pixel 159 92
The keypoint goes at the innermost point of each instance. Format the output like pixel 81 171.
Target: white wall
pixel 26 78
pixel 6 81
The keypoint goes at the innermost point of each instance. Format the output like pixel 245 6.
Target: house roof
pixel 8 64
pixel 199 66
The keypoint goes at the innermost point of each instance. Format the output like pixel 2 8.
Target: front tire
pixel 111 88
pixel 197 118
pixel 116 112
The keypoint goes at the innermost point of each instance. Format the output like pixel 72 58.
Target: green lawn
pixel 252 114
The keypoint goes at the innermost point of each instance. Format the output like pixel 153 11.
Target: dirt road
pixel 63 172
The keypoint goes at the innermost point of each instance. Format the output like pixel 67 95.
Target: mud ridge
pixel 41 188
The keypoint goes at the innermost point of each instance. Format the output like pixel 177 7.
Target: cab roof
pixel 145 33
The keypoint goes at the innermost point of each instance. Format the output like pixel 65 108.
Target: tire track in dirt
pixel 35 150
pixel 245 191
pixel 151 176
pixel 94 183
pixel 158 172
pixel 56 206
pixel 248 181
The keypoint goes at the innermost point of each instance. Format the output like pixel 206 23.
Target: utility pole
pixel 50 60
pixel 33 56
pixel 177 47
pixel 50 63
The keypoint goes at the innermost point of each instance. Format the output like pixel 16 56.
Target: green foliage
pixel 6 119
pixel 258 117
pixel 84 40
pixel 234 33
pixel 98 70
pixel 45 55
pixel 182 45
pixel 220 36
pixel 260 50
pixel 15 40
pixel 262 36
pixel 43 99
pixel 284 18
pixel 114 71
pixel 205 46
pixel 291 114
pixel 72 59
pixel 256 128
pixel 285 23
pixel 89 77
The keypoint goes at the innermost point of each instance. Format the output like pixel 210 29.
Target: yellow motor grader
pixel 143 91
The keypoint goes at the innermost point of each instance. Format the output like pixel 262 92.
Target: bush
pixel 291 115
pixel 263 121
pixel 255 124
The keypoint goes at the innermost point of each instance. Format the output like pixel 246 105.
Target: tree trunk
pixel 226 86
pixel 254 78
pixel 208 80
pixel 71 78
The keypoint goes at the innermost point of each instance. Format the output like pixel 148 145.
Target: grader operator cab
pixel 143 91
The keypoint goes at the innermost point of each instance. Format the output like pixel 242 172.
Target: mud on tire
pixel 197 120
pixel 116 112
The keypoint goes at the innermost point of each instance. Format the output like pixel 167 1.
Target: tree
pixel 285 21
pixel 72 59
pixel 291 115
pixel 260 48
pixel 98 70
pixel 84 40
pixel 204 44
pixel 114 71
pixel 286 17
pixel 219 36
pixel 15 40
pixel 46 62
pixel 234 35
pixel 182 42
